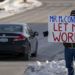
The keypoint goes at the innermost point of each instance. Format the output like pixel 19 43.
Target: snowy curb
pixel 17 7
pixel 48 68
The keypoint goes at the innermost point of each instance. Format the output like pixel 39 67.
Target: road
pixel 39 18
pixel 46 51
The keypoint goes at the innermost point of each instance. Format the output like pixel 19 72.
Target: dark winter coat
pixel 69 45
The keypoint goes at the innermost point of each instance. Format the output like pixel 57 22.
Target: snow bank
pixel 12 7
pixel 15 5
pixel 48 68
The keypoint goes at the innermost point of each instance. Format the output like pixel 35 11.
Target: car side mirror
pixel 72 13
pixel 45 34
pixel 36 33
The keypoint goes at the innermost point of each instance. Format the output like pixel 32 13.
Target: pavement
pixel 13 68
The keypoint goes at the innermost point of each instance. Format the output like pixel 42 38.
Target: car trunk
pixel 9 38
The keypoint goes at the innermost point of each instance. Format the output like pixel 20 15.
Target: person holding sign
pixel 70 53
pixel 62 30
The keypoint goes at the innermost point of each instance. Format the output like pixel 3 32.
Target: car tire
pixel 27 55
pixel 35 53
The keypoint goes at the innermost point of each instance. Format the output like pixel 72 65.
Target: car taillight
pixel 19 38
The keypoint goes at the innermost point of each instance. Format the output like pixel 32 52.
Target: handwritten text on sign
pixel 61 29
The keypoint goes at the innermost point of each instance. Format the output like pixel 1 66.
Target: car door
pixel 32 39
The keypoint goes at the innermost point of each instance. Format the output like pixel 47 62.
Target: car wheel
pixel 36 48
pixel 27 54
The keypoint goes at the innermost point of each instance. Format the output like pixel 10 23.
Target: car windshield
pixel 11 28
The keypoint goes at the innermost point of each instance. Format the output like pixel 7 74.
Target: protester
pixel 70 53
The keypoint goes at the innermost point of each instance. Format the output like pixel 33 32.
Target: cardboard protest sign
pixel 61 29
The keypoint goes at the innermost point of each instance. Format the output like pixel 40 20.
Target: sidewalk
pixel 16 7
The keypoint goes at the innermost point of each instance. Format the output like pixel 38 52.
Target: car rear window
pixel 11 28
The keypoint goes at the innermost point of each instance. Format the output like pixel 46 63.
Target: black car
pixel 18 39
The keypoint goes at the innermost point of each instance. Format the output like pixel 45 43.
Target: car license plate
pixel 3 40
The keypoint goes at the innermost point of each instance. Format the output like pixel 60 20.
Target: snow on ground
pixel 47 68
pixel 11 7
